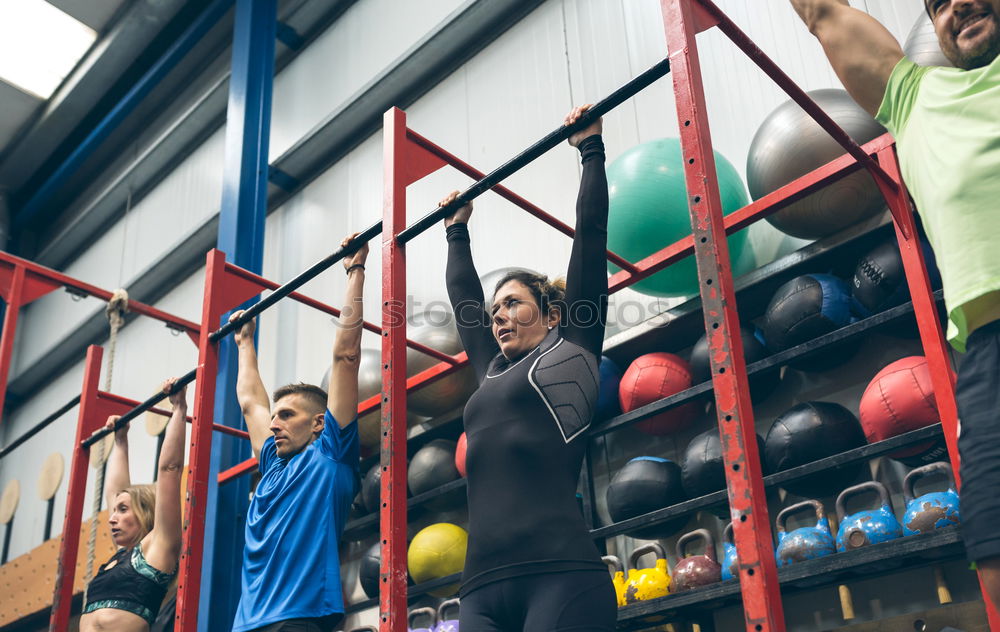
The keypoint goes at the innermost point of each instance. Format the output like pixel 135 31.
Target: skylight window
pixel 39 45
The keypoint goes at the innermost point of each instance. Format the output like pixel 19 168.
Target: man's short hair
pixel 313 396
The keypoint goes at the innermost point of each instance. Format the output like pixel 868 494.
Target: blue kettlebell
pixel 934 510
pixel 805 543
pixel 866 527
pixel 446 625
pixel 421 612
pixel 730 563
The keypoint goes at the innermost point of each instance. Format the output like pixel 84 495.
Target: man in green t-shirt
pixel 946 122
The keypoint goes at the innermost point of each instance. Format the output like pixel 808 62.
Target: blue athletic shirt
pixel 291 568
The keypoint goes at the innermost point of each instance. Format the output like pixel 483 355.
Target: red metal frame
pixel 682 20
pixel 404 163
pixel 931 334
pixel 94 409
pixel 410 157
pixel 226 285
pixel 23 282
pixel 758 571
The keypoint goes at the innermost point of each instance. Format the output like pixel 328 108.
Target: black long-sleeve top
pixel 525 423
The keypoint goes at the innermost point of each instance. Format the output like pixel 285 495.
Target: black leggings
pixel 978 396
pixel 581 601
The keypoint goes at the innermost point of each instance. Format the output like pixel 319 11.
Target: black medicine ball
pixel 879 280
pixel 432 466
pixel 371 488
pixel 645 484
pixel 808 432
pixel 703 471
pixel 761 384
pixel 368 570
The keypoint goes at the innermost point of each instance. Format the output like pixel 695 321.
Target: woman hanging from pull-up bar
pixel 145 522
pixel 535 346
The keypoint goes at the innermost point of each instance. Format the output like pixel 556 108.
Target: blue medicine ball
pixel 607 394
pixel 805 308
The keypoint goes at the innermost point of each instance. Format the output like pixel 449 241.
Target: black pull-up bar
pixel 301 279
pixel 65 408
pixel 491 179
pixel 181 382
pixel 527 156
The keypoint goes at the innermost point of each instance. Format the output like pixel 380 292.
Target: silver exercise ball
pixel 790 144
pixel 436 329
pixel 369 385
pixel 490 279
pixel 922 46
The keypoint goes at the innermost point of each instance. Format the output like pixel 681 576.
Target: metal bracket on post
pixel 702 19
pixel 762 609
pixel 17 288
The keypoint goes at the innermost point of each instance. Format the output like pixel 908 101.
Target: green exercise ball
pixel 648 212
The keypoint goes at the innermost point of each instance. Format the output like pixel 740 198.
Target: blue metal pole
pixel 241 237
pixel 212 14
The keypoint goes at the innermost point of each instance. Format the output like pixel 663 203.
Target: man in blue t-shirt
pixel 307 445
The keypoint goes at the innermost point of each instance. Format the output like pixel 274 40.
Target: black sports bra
pixel 127 582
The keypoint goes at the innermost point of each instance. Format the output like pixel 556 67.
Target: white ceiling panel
pixel 94 13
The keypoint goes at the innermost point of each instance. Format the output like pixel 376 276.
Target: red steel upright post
pixel 392 514
pixel 931 335
pixel 924 308
pixel 93 412
pixel 200 451
pixel 222 291
pixel 762 608
pixel 77 490
pixel 404 163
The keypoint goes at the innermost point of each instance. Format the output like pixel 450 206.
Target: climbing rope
pixel 115 311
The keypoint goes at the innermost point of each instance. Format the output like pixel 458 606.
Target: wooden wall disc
pixel 156 424
pixel 8 501
pixel 97 459
pixel 51 475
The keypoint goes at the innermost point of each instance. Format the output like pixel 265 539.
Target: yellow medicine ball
pixel 437 551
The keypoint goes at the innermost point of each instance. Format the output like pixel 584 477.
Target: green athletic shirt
pixel 946 123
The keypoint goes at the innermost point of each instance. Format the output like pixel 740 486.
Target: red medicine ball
pixel 900 398
pixel 652 377
pixel 460 455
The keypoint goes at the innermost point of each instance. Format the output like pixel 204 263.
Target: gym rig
pixel 408 157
